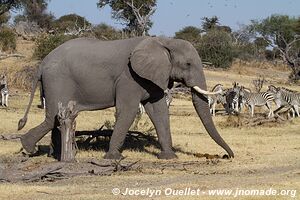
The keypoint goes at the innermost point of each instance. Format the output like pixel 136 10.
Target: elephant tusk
pixel 199 90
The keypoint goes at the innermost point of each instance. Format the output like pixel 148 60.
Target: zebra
pixel 286 98
pixel 257 99
pixel 167 96
pixel 215 99
pixel 4 91
pixel 237 102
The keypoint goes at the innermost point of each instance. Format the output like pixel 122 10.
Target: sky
pixel 172 15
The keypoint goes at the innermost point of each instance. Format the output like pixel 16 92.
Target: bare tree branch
pixel 143 20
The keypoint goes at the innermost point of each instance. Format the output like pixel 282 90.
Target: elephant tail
pixel 38 77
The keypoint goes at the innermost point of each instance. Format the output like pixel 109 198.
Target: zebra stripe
pixel 213 100
pixel 257 99
pixel 168 97
pixel 4 91
pixel 286 97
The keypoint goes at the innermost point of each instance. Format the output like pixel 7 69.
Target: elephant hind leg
pixel 127 109
pixel 35 134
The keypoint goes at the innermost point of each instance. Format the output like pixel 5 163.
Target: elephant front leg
pixel 159 114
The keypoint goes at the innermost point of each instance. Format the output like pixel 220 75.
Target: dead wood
pixel 66 117
pixel 10 137
pixel 25 172
pixel 4 55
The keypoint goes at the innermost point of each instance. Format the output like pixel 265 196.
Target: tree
pixel 4 18
pixel 209 23
pixel 135 14
pixel 36 11
pixel 281 32
pixel 71 24
pixel 106 32
pixel 7 5
pixel 216 47
pixel 189 33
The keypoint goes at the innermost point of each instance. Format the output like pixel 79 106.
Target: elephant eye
pixel 188 64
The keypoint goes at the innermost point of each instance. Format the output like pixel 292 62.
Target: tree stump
pixel 67 124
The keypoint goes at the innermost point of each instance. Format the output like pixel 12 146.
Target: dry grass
pixel 266 156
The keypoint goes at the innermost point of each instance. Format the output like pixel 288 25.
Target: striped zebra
pixel 4 91
pixel 257 99
pixel 286 98
pixel 237 101
pixel 168 97
pixel 215 99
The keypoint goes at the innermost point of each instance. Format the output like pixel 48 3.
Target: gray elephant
pixel 122 73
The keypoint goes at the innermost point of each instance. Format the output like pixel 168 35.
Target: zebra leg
pixel 296 108
pixel 271 114
pixel 6 100
pixel 237 106
pixel 2 100
pixel 213 109
pixel 252 110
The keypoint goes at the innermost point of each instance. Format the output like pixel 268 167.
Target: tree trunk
pixel 66 117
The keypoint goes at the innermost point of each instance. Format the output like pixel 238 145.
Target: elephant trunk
pixel 202 109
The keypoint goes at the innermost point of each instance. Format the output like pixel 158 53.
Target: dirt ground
pixel 267 157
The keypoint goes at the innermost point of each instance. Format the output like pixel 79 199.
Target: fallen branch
pixel 4 56
pixel 10 137
pixel 61 170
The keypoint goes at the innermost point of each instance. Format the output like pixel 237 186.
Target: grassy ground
pixel 266 156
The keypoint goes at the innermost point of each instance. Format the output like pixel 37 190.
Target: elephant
pixel 121 73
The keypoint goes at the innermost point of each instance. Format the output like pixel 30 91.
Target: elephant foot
pixel 113 155
pixel 28 146
pixel 167 155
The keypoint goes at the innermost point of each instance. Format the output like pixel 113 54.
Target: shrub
pixel 22 78
pixel 46 43
pixel 216 47
pixel 106 32
pixel 71 21
pixel 245 52
pixel 189 33
pixel 4 18
pixel 7 39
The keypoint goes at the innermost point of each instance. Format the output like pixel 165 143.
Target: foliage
pixel 71 21
pixel 46 43
pixel 106 32
pixel 4 18
pixel 209 23
pixel 189 33
pixel 282 33
pixel 7 39
pixel 216 47
pixel 122 12
pixel 246 51
pixel 19 18
pixel 213 23
pixel 35 11
pixel 276 28
pixel 7 5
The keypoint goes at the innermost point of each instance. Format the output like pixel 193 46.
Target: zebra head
pixel 219 89
pixel 3 80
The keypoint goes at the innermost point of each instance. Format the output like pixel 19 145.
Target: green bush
pixel 46 43
pixel 106 32
pixel 69 22
pixel 216 47
pixel 245 52
pixel 189 33
pixel 7 39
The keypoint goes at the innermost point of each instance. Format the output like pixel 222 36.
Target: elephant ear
pixel 151 60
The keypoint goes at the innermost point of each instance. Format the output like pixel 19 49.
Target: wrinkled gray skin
pixel 101 74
